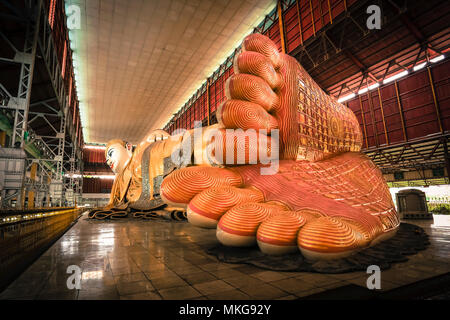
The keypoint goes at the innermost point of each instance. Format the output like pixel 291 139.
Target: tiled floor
pixel 137 259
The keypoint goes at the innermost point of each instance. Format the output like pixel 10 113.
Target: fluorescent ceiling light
pixel 419 66
pixel 375 85
pixel 94 147
pixel 350 96
pixel 395 77
pixel 438 58
pixel 363 90
pixel 99 176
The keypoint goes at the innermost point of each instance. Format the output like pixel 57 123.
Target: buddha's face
pixel 117 156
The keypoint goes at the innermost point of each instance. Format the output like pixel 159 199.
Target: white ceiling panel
pixel 141 60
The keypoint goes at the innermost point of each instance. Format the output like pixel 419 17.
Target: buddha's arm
pixel 117 197
pixel 113 197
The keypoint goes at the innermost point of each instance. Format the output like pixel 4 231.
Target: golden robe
pixel 137 186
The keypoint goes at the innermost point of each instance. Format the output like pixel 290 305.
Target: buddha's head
pixel 118 153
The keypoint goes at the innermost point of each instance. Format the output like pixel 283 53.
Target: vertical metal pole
pixel 61 142
pixel 72 166
pixel 436 105
pixel 321 13
pixel 281 26
pixel 49 181
pixel 297 2
pixel 51 14
pixel 31 193
pixel 382 116
pixel 63 67
pixel 208 105
pixel 15 130
pixel 312 17
pixel 364 122
pixel 80 169
pixel 21 199
pixel 329 11
pixel 43 187
pixel 372 115
pixel 60 157
pixel 2 139
pixel 400 110
pixel 69 184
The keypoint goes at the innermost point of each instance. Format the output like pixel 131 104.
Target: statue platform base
pixel 161 212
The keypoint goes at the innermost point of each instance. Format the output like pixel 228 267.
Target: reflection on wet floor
pixel 135 259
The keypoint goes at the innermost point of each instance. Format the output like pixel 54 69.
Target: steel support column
pixel 32 193
pixel 312 18
pixel 382 116
pixel 208 103
pixel 299 21
pixel 436 105
pixel 364 121
pixel 329 11
pixel 27 58
pixel 400 110
pixel 281 26
pixel 372 115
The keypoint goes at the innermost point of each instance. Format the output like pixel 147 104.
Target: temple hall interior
pixel 109 189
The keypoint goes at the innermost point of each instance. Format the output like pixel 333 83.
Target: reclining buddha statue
pixel 323 197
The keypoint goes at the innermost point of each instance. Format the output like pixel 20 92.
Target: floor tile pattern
pixel 134 259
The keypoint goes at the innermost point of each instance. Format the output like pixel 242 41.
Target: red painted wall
pixel 96 185
pixel 95 163
pixel 414 103
pixel 94 156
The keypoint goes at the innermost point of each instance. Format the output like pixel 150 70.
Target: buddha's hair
pixel 115 141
